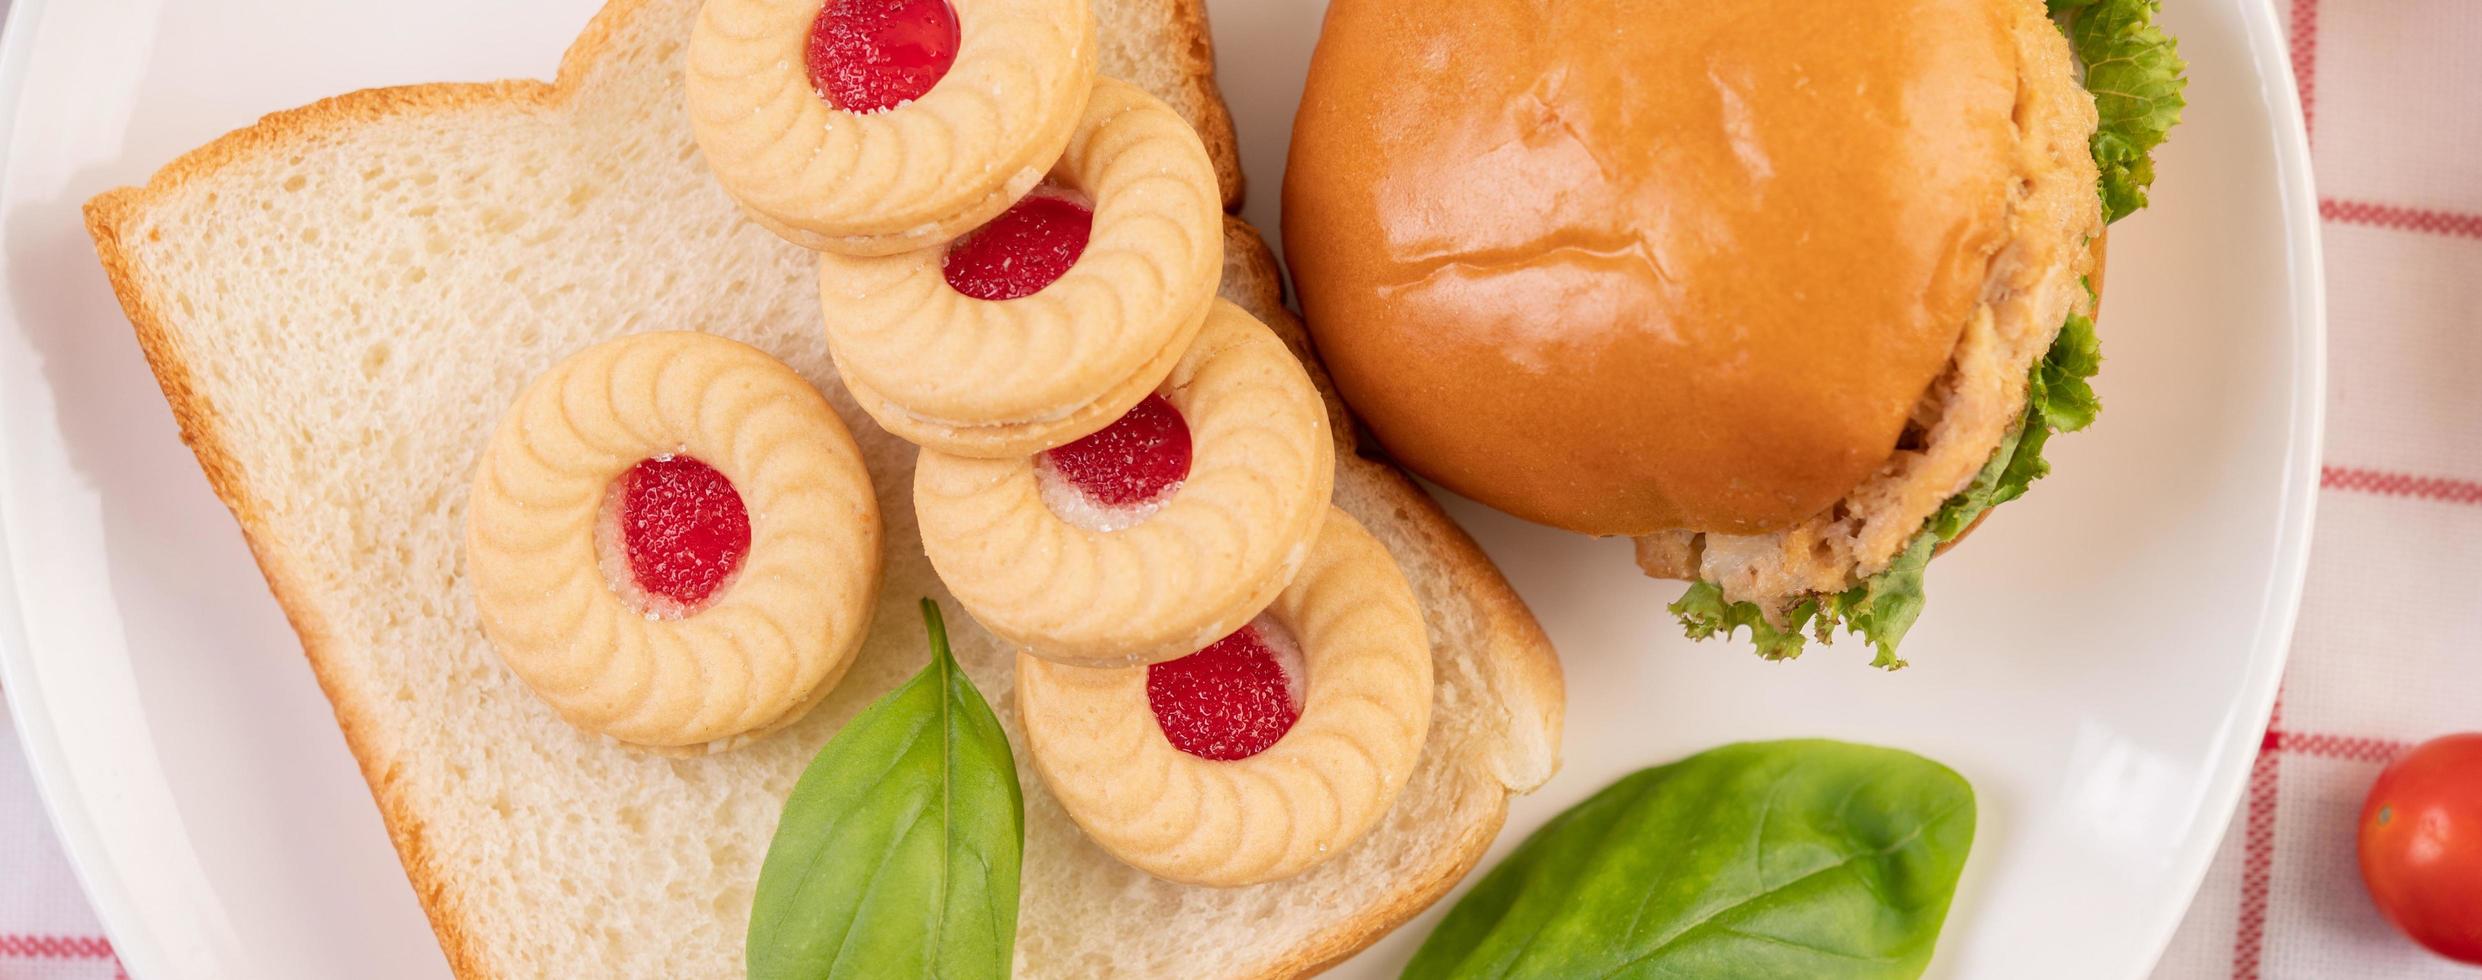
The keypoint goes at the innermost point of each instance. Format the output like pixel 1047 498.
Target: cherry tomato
pixel 2421 845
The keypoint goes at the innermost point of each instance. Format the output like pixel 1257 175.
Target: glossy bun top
pixel 1621 266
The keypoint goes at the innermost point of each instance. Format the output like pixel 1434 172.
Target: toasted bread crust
pixel 1214 118
pixel 1527 670
pixel 196 417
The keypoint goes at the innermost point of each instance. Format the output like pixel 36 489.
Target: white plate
pixel 2099 661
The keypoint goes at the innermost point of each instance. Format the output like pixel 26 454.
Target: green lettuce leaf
pixel 2057 396
pixel 2134 71
pixel 1704 615
pixel 1884 606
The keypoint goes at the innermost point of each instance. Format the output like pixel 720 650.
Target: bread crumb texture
pixel 342 301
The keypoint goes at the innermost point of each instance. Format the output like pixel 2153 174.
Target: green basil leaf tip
pixel 1809 859
pixel 898 852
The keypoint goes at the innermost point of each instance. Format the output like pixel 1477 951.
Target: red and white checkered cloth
pixel 46 930
pixel 2386 654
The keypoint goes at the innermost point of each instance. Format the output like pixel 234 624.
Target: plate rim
pixel 142 953
pixel 2279 615
pixel 80 836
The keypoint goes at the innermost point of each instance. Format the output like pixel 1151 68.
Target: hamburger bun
pixel 1727 274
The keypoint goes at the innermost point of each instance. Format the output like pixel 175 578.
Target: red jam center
pixel 1132 461
pixel 1026 248
pixel 1229 701
pixel 683 526
pixel 868 55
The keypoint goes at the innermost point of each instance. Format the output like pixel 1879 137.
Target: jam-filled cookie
pixel 1153 537
pixel 673 541
pixel 881 126
pixel 1261 755
pixel 1056 317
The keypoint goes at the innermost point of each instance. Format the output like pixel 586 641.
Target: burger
pixel 1792 293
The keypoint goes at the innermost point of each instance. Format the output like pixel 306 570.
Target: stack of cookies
pixel 1224 679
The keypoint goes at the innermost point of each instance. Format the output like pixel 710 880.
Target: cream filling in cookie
pixel 672 540
pixel 1242 764
pixel 1155 536
pixel 873 127
pixel 1053 319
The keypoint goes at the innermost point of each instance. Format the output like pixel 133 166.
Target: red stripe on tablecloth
pixel 2257 854
pixel 2390 484
pixel 25 947
pixel 2352 748
pixel 2305 58
pixel 2258 825
pixel 2257 861
pixel 2455 224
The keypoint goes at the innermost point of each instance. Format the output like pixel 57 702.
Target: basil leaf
pixel 898 851
pixel 1800 859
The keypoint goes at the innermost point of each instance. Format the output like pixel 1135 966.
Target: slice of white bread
pixel 340 301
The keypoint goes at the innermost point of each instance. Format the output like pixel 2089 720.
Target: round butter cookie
pixel 1261 755
pixel 880 126
pixel 1056 317
pixel 673 541
pixel 1155 536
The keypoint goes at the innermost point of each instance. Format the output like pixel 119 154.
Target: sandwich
pixel 342 301
pixel 1792 294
